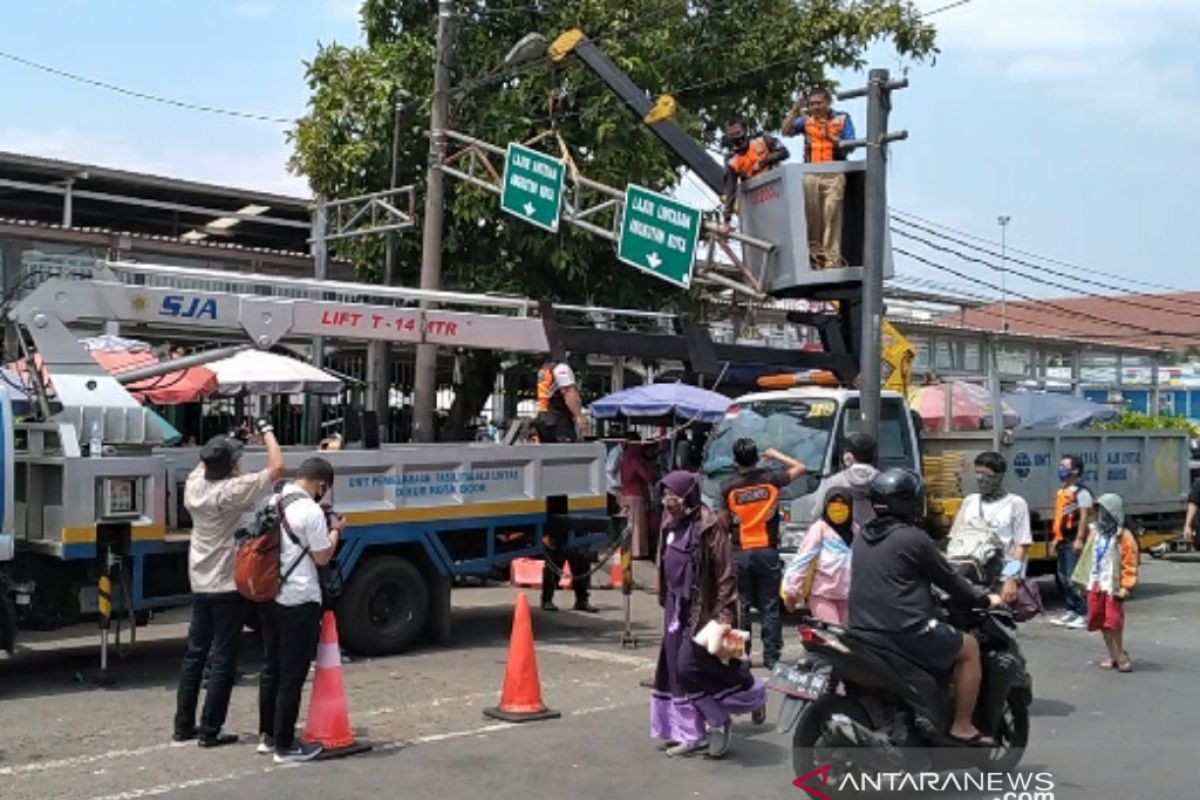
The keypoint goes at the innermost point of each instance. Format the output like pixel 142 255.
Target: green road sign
pixel 659 235
pixel 533 186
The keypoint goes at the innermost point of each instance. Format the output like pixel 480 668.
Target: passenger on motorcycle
pixel 894 564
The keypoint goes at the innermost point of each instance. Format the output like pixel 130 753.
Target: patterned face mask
pixel 1106 522
pixel 990 485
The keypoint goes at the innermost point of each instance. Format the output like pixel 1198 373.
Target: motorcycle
pixel 856 704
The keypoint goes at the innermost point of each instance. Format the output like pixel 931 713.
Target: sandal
pixel 1106 664
pixel 1125 664
pixel 978 740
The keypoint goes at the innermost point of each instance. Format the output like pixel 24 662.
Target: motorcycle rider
pixel 894 564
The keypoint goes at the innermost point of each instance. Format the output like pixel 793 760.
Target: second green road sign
pixel 533 186
pixel 659 235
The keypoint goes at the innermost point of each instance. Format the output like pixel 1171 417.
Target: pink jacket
pixel 826 547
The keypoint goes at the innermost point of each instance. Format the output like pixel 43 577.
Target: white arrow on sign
pixel 529 209
pixel 653 260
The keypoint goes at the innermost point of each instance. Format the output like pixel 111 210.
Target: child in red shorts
pixel 1107 570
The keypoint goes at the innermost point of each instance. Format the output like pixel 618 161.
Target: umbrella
pixel 970 407
pixel 263 372
pixel 117 354
pixel 658 400
pixel 1058 411
pixel 170 434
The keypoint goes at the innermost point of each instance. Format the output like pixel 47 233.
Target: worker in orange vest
pixel 560 411
pixel 749 156
pixel 824 130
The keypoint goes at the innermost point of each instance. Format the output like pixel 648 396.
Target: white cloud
pixel 254 10
pixel 264 169
pixel 1107 53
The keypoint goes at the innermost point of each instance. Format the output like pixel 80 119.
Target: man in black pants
pixel 557 554
pixel 751 503
pixel 216 494
pixel 292 623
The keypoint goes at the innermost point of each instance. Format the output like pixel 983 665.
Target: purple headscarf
pixel 683 484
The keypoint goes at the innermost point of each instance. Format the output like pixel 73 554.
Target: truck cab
pixel 808 423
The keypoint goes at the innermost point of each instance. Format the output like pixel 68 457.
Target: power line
pixel 1009 250
pixel 1070 312
pixel 143 95
pixel 946 7
pixel 1125 301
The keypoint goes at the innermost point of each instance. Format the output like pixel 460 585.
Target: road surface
pixel 1100 735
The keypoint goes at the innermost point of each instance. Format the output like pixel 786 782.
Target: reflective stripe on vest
pixel 820 136
pixel 1066 513
pixel 757 509
pixel 549 398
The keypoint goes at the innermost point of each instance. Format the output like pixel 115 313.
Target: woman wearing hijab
pixel 696 693
pixel 822 564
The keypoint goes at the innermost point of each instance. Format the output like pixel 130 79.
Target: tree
pixel 718 57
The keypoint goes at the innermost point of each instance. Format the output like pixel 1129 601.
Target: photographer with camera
pixel 292 622
pixel 217 495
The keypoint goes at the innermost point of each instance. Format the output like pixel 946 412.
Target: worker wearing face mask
pixel 749 156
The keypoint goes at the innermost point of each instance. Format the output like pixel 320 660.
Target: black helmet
pixel 898 493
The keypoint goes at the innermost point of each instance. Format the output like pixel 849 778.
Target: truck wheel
pixel 385 606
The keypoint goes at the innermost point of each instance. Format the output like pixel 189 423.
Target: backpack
pixel 256 566
pixel 974 543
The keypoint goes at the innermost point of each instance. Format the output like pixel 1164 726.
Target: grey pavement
pixel 1099 734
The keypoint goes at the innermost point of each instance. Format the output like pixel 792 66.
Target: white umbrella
pixel 262 372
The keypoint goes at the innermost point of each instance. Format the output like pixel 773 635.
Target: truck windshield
pixel 799 428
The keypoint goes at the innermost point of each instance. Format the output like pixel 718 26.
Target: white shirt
pixel 307 523
pixel 218 508
pixel 1007 518
pixel 564 376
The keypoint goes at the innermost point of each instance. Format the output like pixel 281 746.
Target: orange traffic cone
pixel 615 574
pixel 328 722
pixel 521 697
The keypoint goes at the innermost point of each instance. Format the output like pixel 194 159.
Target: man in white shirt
pixel 1005 514
pixel 292 623
pixel 217 496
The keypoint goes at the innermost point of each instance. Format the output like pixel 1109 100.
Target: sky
pixel 1077 119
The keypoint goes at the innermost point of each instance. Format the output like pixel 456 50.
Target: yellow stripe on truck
pixel 142 532
pixel 468 510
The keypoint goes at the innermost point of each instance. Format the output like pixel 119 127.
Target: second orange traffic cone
pixel 521 695
pixel 328 722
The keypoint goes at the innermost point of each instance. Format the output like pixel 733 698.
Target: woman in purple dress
pixel 695 694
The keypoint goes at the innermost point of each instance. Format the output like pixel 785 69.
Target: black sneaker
pixel 217 739
pixel 548 605
pixel 266 744
pixel 298 753
pixel 586 608
pixel 184 736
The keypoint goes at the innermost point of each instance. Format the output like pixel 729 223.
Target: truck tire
pixel 385 606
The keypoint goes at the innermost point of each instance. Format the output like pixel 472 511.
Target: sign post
pixel 659 235
pixel 533 186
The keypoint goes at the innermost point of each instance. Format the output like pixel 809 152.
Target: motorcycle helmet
pixel 899 493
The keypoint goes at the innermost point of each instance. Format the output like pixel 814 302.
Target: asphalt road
pixel 1098 734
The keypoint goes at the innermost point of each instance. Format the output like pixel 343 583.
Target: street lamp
pixel 529 47
pixel 1003 221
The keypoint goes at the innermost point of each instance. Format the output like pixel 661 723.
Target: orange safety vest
pixel 755 505
pixel 1066 512
pixel 821 136
pixel 749 163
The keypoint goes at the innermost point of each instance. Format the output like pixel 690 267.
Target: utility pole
pixel 879 103
pixel 425 372
pixel 1003 221
pixel 379 354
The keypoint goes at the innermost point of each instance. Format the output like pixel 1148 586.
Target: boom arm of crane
pixel 657 116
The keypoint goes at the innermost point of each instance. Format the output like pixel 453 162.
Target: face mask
pixel 1106 522
pixel 837 513
pixel 990 486
pixel 1064 473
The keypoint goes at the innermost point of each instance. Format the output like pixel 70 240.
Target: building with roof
pixel 1167 321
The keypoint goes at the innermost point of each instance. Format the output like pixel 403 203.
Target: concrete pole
pixel 425 372
pixel 320 254
pixel 875 240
